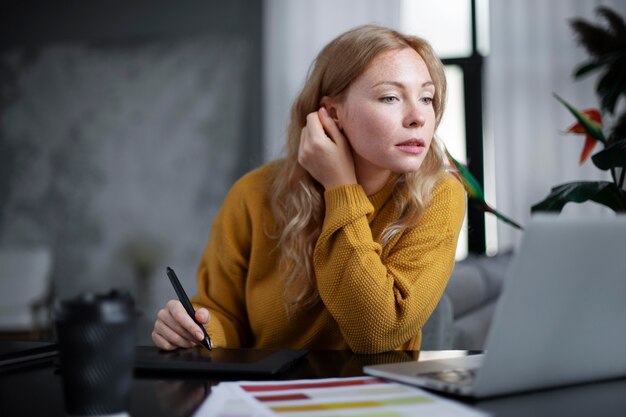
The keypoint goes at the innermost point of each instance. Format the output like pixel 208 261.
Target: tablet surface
pixel 218 360
pixel 15 353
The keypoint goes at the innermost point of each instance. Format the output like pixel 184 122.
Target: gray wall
pixel 122 126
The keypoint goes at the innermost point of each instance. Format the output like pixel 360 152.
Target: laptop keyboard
pixel 454 376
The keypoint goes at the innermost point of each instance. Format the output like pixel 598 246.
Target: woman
pixel 348 242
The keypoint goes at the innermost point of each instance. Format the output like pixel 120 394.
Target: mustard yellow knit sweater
pixel 373 300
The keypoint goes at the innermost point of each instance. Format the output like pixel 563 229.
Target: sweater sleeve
pixel 382 301
pixel 222 272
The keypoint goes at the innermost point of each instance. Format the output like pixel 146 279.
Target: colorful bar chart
pixel 347 397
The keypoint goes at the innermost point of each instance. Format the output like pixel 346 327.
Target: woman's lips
pixel 412 146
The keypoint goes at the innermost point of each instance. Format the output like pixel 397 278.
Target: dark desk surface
pixel 37 390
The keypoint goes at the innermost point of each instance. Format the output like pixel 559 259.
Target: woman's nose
pixel 414 116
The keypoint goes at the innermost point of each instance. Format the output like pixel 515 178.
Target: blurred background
pixel 123 124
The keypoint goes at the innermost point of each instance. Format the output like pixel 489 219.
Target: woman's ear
pixel 331 104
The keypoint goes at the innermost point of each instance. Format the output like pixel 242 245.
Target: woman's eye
pixel 389 99
pixel 427 100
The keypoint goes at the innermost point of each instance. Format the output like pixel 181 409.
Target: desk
pixel 37 391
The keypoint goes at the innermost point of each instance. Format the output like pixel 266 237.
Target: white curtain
pixel 295 31
pixel 533 54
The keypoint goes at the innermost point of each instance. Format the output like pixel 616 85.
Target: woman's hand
pixel 175 329
pixel 325 152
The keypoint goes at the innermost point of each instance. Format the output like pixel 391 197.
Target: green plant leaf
pixel 475 191
pixel 601 192
pixel 597 39
pixel 593 38
pixel 614 155
pixel 619 129
pixel 587 67
pixel 471 184
pixel 488 209
pixel 591 127
pixel 612 84
pixel 616 23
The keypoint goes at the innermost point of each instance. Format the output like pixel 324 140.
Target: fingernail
pixel 199 336
pixel 323 111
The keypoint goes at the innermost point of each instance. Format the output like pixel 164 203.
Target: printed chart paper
pixel 335 397
pixel 224 402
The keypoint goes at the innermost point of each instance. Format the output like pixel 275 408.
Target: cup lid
pixel 113 306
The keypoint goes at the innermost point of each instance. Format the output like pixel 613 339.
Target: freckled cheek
pixel 370 126
pixel 431 134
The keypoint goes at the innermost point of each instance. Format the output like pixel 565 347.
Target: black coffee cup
pixel 96 336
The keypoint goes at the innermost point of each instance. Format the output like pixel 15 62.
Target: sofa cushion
pixel 476 281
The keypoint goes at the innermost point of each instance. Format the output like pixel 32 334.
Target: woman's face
pixel 388 117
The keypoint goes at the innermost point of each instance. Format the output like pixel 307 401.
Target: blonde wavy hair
pixel 297 198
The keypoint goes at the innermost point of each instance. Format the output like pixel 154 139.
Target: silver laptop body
pixel 560 320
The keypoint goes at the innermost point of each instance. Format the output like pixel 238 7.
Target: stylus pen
pixel 182 296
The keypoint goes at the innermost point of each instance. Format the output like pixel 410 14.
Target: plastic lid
pixel 115 306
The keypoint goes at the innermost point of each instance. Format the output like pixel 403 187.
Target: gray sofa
pixel 463 316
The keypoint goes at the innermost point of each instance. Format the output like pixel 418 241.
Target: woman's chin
pixel 408 168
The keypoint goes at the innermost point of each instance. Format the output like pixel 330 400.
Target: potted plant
pixel 607 50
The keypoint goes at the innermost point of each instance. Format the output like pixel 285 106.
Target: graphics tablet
pixel 218 360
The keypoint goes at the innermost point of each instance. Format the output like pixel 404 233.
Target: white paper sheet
pixel 336 397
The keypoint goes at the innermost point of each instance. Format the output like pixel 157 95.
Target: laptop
pixel 560 320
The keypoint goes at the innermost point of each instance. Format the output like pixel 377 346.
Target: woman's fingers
pixel 168 329
pixel 174 328
pixel 160 342
pixel 314 127
pixel 169 338
pixel 329 125
pixel 168 320
pixel 327 158
pixel 183 319
pixel 203 316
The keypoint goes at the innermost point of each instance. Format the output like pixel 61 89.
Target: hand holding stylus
pixel 178 325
